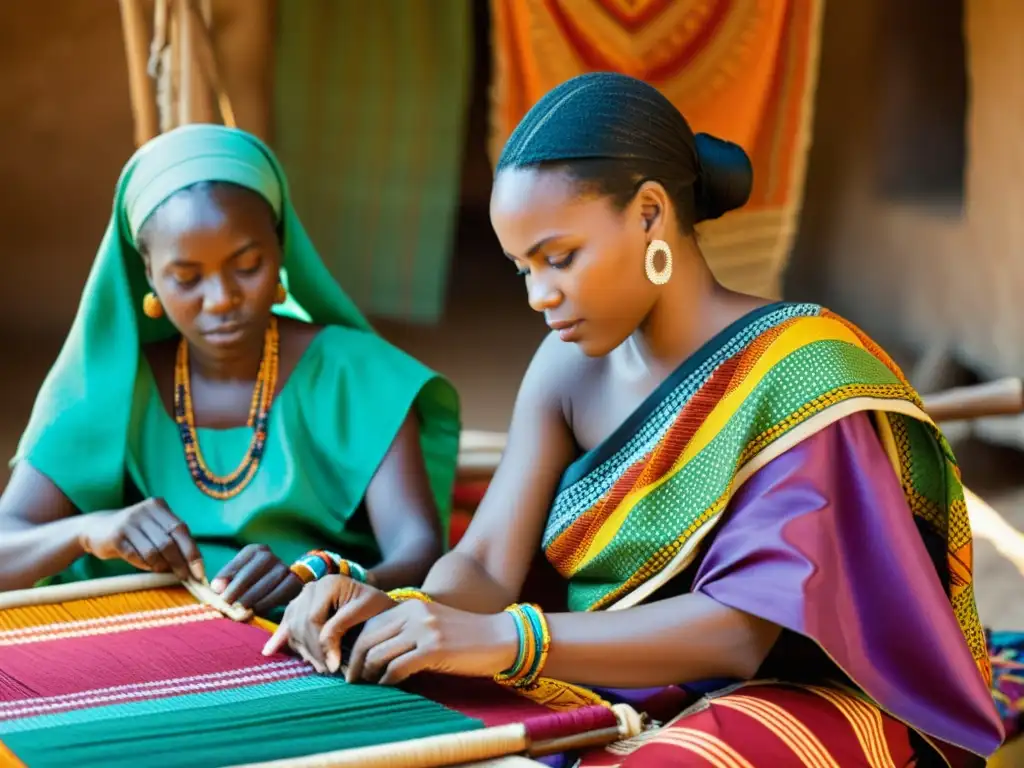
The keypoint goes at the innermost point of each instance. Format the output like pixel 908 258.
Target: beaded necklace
pixel 226 487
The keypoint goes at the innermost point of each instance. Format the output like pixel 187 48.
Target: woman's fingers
pixel 278 640
pixel 147 550
pixel 262 587
pixel 313 661
pixel 290 634
pixel 348 615
pixel 127 552
pixel 180 536
pixel 286 589
pixel 377 659
pixel 162 541
pixel 302 622
pixel 259 562
pixel 405 666
pixel 378 630
pixel 228 572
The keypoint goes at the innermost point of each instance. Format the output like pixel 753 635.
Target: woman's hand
pixel 315 622
pixel 257 579
pixel 147 535
pixel 429 637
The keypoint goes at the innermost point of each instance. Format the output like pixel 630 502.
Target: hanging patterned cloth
pixel 369 121
pixel 744 70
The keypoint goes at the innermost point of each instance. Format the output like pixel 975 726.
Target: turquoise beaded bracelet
pixel 314 565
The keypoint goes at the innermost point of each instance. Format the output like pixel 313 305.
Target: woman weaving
pixel 208 422
pixel 733 490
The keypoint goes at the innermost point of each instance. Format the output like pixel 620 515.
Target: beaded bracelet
pixel 534 644
pixel 314 565
pixel 402 594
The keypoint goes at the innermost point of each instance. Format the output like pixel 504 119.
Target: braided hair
pixel 612 133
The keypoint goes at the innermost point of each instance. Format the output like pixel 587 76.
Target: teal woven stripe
pixel 370 108
pixel 265 722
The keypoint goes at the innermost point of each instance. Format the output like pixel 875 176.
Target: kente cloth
pixel 771 725
pixel 154 678
pixel 787 470
pixel 370 110
pixel 743 70
pixel 329 432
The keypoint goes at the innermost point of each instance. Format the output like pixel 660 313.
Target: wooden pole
pixel 174 66
pixel 208 67
pixel 141 90
pixel 185 55
pixel 1004 397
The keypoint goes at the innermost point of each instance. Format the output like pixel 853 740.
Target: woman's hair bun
pixel 725 180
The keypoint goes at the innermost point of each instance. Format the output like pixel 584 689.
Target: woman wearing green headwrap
pixel 220 406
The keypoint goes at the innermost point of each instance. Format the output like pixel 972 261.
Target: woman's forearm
pixel 28 554
pixel 407 565
pixel 460 581
pixel 679 640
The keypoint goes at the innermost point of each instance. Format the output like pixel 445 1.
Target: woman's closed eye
pixel 185 279
pixel 564 261
pixel 249 264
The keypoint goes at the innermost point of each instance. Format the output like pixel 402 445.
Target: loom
pixel 140 670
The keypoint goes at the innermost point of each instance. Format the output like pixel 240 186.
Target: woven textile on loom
pixel 743 70
pixel 155 678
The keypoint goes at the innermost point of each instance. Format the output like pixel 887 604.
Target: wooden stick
pixel 989 525
pixel 85 590
pixel 139 84
pixel 206 55
pixel 424 752
pixel 459 748
pixel 184 58
pixel 136 582
pixel 1003 397
pixel 204 594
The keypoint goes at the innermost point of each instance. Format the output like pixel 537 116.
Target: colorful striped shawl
pixel 631 514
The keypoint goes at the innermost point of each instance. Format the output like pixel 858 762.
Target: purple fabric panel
pixel 821 541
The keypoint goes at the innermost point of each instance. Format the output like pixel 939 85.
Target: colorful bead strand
pixel 314 565
pixel 228 486
pixel 408 593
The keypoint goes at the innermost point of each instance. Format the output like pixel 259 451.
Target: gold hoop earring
pixel 655 275
pixel 151 306
pixel 282 294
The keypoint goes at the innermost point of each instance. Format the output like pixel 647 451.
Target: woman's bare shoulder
pixel 562 372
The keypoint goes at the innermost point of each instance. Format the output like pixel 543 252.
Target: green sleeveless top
pixel 321 453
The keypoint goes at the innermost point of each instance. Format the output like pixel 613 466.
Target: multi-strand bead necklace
pixel 228 486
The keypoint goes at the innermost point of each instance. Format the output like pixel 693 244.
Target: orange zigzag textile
pixel 743 70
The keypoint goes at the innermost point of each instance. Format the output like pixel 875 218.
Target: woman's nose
pixel 543 296
pixel 219 296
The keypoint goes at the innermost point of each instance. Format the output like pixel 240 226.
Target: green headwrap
pixel 77 433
